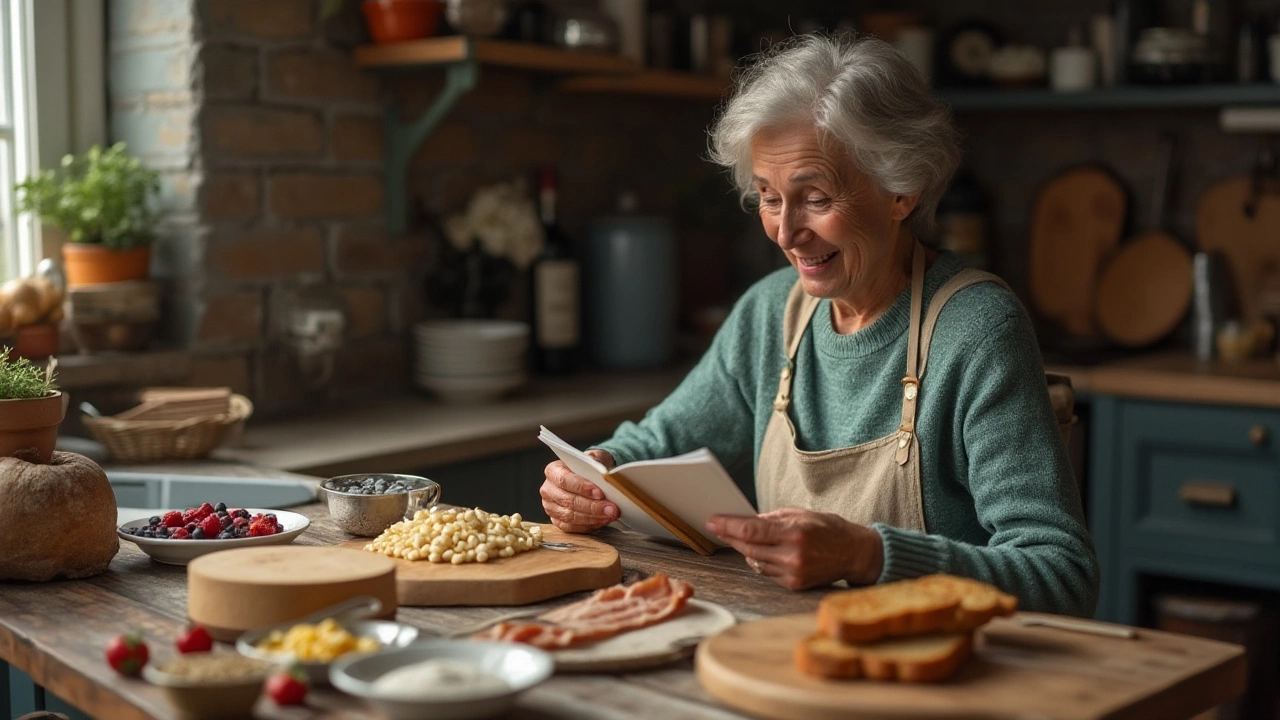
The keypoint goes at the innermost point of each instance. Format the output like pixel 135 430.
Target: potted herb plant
pixel 102 201
pixel 31 408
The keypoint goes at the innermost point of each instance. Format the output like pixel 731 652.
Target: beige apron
pixel 877 481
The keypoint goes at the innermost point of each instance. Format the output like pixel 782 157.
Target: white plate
pixel 181 552
pixel 655 645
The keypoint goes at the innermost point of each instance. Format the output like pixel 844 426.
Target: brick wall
pixel 271 145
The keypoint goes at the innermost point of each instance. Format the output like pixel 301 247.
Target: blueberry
pixel 198 534
pixel 220 507
pixel 225 536
pixel 155 520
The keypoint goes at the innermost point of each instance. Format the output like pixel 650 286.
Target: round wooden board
pixel 1251 244
pixel 518 580
pixel 1145 290
pixel 1077 219
pixel 231 591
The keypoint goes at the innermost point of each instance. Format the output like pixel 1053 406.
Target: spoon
pixel 88 409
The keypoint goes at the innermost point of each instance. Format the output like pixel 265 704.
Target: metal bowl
pixel 369 515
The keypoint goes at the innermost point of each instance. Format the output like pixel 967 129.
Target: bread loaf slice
pixel 933 603
pixel 922 658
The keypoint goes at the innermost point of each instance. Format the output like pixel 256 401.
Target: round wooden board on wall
pixel 1144 291
pixel 1077 220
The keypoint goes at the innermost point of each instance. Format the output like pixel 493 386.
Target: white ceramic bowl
pixel 520 666
pixel 180 552
pixel 477 389
pixel 388 634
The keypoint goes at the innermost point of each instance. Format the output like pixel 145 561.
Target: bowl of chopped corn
pixel 314 641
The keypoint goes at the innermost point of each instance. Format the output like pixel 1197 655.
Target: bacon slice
pixel 608 612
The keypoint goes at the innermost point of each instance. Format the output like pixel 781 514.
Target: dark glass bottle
pixel 556 283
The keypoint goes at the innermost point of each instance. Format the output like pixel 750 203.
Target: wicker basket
pixel 143 441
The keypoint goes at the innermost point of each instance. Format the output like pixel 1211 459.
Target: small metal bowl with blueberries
pixel 368 503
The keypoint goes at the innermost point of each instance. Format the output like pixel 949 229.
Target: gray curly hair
pixel 861 92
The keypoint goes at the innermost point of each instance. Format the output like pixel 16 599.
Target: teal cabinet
pixel 1182 491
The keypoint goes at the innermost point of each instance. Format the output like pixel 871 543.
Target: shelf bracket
pixel 403 139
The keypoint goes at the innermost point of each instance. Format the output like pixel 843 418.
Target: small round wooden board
pixel 518 580
pixel 1145 290
pixel 1249 241
pixel 231 591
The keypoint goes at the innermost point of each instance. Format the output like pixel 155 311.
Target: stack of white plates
pixel 470 361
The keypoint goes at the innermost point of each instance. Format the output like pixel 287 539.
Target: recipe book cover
pixel 669 497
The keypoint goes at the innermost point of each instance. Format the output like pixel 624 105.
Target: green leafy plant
pixel 102 198
pixel 21 379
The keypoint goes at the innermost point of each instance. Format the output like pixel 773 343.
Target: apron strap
pixel 799 310
pixel 958 282
pixel 911 381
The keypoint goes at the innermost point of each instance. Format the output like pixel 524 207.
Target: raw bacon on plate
pixel 608 612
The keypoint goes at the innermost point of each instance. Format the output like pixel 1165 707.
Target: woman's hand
pixel 574 503
pixel 802 549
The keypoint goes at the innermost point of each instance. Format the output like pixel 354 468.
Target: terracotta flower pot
pixel 392 21
pixel 87 264
pixel 31 425
pixel 35 342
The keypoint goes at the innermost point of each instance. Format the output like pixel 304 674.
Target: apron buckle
pixel 910 387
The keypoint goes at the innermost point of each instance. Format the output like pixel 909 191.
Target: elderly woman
pixel 868 467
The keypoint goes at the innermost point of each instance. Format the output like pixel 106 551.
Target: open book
pixel 671 497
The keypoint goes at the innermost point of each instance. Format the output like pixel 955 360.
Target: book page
pixel 631 516
pixel 693 486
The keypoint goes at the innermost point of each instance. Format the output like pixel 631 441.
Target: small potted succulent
pixel 103 203
pixel 31 409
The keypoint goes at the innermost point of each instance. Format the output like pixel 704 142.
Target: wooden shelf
pixel 649 82
pixel 497 53
pixel 1131 97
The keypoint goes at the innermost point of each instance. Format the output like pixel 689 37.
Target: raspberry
pixel 204 511
pixel 173 518
pixel 180 534
pixel 189 516
pixel 211 526
pixel 261 527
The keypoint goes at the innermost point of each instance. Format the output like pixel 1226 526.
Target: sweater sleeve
pixel 1012 462
pixel 710 408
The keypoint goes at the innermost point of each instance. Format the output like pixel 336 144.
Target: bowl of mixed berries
pixel 177 536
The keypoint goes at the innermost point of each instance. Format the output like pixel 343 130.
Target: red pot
pixel 392 21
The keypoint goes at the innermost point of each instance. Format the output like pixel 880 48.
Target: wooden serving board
pixel 521 579
pixel 1076 222
pixel 1015 672
pixel 1223 223
pixel 1145 290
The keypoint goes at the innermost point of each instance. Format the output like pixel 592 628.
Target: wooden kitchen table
pixel 55 632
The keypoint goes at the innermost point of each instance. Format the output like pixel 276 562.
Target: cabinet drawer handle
pixel 1207 494
pixel 1258 435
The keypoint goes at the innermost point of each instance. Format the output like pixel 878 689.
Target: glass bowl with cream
pixel 443 679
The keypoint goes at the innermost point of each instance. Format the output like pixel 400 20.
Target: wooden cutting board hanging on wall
pixel 1077 219
pixel 1245 226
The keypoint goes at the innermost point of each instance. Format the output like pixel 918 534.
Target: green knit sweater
pixel 1000 502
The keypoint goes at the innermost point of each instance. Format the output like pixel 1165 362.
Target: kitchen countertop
pixel 413 432
pixel 55 633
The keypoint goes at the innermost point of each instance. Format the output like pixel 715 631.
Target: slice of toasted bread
pixel 922 658
pixel 933 603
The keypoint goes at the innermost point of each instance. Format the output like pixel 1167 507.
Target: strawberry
pixel 195 639
pixel 288 687
pixel 173 518
pixel 127 653
pixel 211 525
pixel 204 511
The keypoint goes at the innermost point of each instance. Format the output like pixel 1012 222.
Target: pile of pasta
pixel 457 536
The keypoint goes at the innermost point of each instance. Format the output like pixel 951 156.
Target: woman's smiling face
pixel 836 226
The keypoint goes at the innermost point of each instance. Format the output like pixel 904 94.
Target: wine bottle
pixel 556 305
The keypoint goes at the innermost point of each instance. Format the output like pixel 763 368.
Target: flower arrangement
pixel 502 220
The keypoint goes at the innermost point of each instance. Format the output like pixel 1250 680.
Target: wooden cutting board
pixel 1145 290
pixel 1015 672
pixel 518 580
pixel 1077 220
pixel 1251 243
